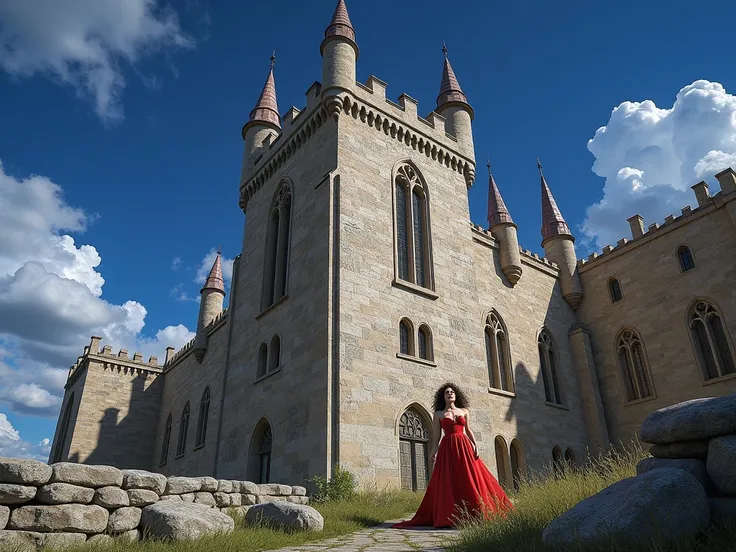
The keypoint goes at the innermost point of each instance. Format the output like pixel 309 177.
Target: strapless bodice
pixel 453 427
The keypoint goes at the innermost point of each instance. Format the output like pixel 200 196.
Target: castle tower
pixel 453 105
pixel 558 243
pixel 264 123
pixel 213 295
pixel 339 55
pixel 504 231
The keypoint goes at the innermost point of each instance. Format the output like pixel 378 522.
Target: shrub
pixel 342 486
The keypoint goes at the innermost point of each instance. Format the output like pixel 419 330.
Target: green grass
pixel 341 517
pixel 543 497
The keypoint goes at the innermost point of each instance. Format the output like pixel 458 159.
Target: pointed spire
pixel 497 211
pixel 450 90
pixel 215 280
pixel 552 222
pixel 340 26
pixel 266 109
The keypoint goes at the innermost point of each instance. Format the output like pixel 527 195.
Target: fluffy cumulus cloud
pixel 85 43
pixel 12 446
pixel 51 297
pixel 650 157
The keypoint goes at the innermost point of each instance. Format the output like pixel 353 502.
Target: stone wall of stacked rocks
pixel 66 503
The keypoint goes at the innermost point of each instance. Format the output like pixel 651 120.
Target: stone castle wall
pixel 66 504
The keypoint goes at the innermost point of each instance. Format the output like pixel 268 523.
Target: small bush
pixel 342 486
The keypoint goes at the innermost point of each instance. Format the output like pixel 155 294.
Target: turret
pixel 453 105
pixel 503 230
pixel 264 122
pixel 339 55
pixel 213 295
pixel 558 243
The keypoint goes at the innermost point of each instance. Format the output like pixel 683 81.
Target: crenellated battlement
pixel 173 358
pixel 529 256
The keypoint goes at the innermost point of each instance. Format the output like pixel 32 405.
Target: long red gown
pixel 459 480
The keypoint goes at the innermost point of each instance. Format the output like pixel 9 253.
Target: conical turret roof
pixel 215 280
pixel 552 222
pixel 450 91
pixel 497 211
pixel 267 109
pixel 340 26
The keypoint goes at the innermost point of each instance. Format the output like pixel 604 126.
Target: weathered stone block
pixel 694 467
pixel 721 463
pixel 144 497
pixel 296 490
pixel 248 499
pixel 691 420
pixel 64 493
pixel 183 521
pixel 16 494
pixel 182 485
pixel 683 449
pixel 24 472
pixel 209 484
pixel 236 499
pixel 4 516
pixel 222 500
pixel 111 497
pixel 29 541
pixel 204 498
pixel 86 475
pixel 297 499
pixel 141 479
pixel 274 489
pixel 171 497
pixel 123 519
pixel 187 497
pixel 225 486
pixel 286 515
pixel 72 518
pixel 247 487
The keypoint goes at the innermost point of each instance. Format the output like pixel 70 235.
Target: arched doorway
pixel 518 467
pixel 569 459
pixel 413 451
pixel 260 452
pixel 502 462
pixel 557 464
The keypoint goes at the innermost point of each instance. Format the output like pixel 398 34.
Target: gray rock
pixel 722 510
pixel 101 539
pixel 29 541
pixel 274 489
pixel 222 500
pixel 72 518
pixel 204 498
pixel 123 519
pixel 262 499
pixel 171 497
pixel 183 521
pixel 225 486
pixel 721 463
pixel 237 512
pixel 248 499
pixel 690 420
pixel 236 486
pixel 141 479
pixel 660 502
pixel 59 541
pixel 297 499
pixel 85 475
pixel 296 490
pixel 683 449
pixel 64 493
pixel 246 487
pixel 24 472
pixel 236 499
pixel 182 485
pixel 187 497
pixel 144 497
pixel 111 497
pixel 4 516
pixel 284 515
pixel 209 484
pixel 16 494
pixel 130 536
pixel 694 467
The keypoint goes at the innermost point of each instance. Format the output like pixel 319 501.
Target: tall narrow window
pixel 633 364
pixel 413 242
pixel 406 338
pixel 685 256
pixel 498 354
pixel 518 465
pixel 204 411
pixel 413 451
pixel 262 360
pixel 181 446
pixel 264 456
pixel 614 288
pixel 712 344
pixel 424 343
pixel 276 269
pixel 548 367
pixel 64 430
pixel 275 360
pixel 166 441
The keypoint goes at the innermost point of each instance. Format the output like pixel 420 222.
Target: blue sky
pixel 147 173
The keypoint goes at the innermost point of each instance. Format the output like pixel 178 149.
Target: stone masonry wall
pixel 65 504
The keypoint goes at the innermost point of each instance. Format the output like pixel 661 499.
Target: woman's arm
pixel 469 432
pixel 437 433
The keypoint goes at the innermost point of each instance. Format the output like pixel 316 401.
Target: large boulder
pixel 182 485
pixel 123 519
pixel 183 521
pixel 660 502
pixel 64 493
pixel 24 472
pixel 722 510
pixel 285 515
pixel 72 518
pixel 721 463
pixel 86 475
pixel 694 467
pixel 111 497
pixel 681 449
pixel 690 420
pixel 141 479
pixel 144 497
pixel 16 494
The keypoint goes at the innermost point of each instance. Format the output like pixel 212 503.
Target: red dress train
pixel 459 481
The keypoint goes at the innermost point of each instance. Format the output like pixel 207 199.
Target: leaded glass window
pixel 264 456
pixel 685 256
pixel 615 289
pixel 710 337
pixel 413 451
pixel 166 441
pixel 423 341
pixel 402 234
pixel 404 337
pixel 183 430
pixel 412 227
pixel 632 361
pixel 548 366
pixel 204 410
pixel 498 354
pixel 275 275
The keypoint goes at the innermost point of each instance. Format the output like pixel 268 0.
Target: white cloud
pixel 85 43
pixel 651 156
pixel 206 265
pixel 175 263
pixel 12 446
pixel 51 298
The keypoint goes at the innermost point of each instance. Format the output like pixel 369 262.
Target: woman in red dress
pixel 461 484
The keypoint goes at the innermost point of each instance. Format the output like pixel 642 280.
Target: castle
pixel 362 286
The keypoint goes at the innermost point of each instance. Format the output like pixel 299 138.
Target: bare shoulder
pixel 466 412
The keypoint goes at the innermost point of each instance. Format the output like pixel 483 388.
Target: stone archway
pixel 413 450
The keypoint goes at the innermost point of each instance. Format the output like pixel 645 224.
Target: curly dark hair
pixel 461 399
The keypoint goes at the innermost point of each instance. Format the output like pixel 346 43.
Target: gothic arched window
pixel 204 411
pixel 413 241
pixel 424 343
pixel 406 337
pixel 711 340
pixel 614 288
pixel 275 359
pixel 633 363
pixel 498 353
pixel 548 367
pixel 181 446
pixel 685 256
pixel 264 455
pixel 275 275
pixel 64 429
pixel 262 360
pixel 413 451
pixel 166 441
